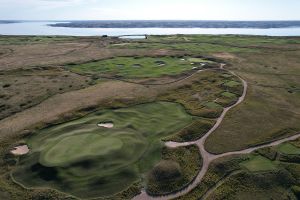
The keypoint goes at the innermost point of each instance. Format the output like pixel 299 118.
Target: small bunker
pixel 160 63
pixel 106 125
pixel 20 150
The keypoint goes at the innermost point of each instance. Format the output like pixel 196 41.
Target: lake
pixel 42 28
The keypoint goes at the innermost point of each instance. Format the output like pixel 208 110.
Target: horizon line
pixel 212 20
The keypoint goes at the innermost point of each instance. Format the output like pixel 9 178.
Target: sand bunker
pixel 225 55
pixel 20 150
pixel 106 125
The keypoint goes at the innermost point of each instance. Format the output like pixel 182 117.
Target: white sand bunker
pixel 20 150
pixel 106 125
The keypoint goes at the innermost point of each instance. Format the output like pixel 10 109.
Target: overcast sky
pixel 150 9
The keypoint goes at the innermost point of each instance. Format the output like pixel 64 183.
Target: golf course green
pixel 139 67
pixel 86 160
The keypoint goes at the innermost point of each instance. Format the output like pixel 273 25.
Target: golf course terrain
pixel 168 117
pixel 81 158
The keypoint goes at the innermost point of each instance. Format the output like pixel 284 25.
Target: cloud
pixel 150 9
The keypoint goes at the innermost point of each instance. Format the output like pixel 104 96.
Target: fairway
pixel 140 67
pixel 85 160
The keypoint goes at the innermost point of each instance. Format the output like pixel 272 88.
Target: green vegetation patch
pixel 136 67
pixel 212 105
pixel 232 84
pixel 289 149
pixel 259 163
pixel 218 170
pixel 199 96
pixel 177 169
pixel 83 159
pixel 226 99
pixel 229 95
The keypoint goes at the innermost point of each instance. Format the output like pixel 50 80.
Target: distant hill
pixel 179 24
pixel 8 21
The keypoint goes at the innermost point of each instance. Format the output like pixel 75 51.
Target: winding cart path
pixel 207 157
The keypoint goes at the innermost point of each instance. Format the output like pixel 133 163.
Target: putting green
pixel 66 150
pixel 85 160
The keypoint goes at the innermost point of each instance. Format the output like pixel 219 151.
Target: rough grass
pixel 249 186
pixel 192 47
pixel 21 40
pixel 227 178
pixel 230 40
pixel 82 159
pixel 179 168
pixel 198 97
pixel 22 89
pixel 192 132
pixel 271 108
pixel 217 171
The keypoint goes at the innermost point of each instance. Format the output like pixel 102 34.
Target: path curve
pixel 208 158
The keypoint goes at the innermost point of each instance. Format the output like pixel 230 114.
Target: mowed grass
pixel 138 67
pixel 289 149
pixel 259 163
pixel 87 161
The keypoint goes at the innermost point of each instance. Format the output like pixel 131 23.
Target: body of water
pixel 42 28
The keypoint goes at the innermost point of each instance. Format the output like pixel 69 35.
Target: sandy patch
pixel 20 150
pixel 106 125
pixel 225 55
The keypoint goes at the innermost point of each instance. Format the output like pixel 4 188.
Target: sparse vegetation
pixel 176 170
pixel 193 131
